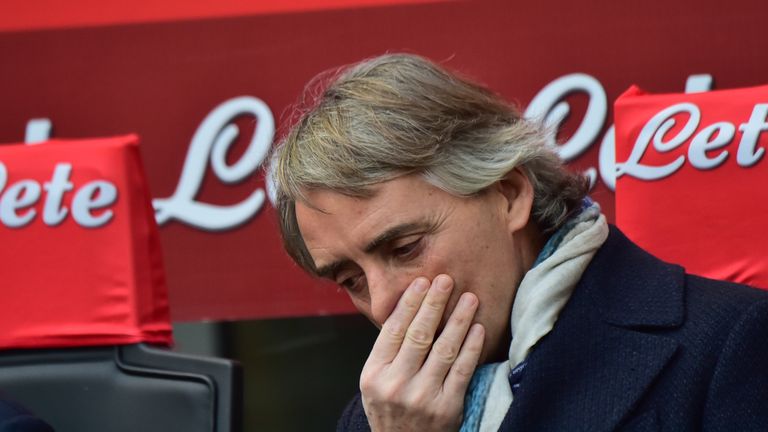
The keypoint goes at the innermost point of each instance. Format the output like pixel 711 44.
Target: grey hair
pixel 401 114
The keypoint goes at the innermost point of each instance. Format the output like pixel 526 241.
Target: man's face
pixel 375 247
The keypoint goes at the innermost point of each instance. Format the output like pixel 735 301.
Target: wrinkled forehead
pixel 323 210
pixel 401 192
pixel 329 201
pixel 330 224
pixel 326 214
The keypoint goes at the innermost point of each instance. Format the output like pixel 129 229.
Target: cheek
pixel 455 260
pixel 440 257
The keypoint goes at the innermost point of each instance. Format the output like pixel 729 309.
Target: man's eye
pixel 407 250
pixel 353 284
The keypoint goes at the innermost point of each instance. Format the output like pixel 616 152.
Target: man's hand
pixel 410 383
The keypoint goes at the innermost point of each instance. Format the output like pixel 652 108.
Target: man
pixel 458 233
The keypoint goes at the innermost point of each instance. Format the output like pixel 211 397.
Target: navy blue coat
pixel 643 346
pixel 15 418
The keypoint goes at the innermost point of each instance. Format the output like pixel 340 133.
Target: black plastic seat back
pixel 124 389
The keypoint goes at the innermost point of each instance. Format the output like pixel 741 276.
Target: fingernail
pixel 420 285
pixel 468 299
pixel 443 283
pixel 476 330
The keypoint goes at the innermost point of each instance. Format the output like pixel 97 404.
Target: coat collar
pixel 600 358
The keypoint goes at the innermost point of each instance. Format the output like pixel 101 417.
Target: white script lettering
pixel 702 143
pixel 211 141
pixel 217 133
pixel 16 202
pixel 549 107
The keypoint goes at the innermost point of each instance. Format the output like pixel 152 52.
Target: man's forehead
pixel 384 194
pixel 360 219
pixel 328 215
pixel 334 225
pixel 329 202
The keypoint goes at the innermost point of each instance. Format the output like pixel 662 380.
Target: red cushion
pixel 80 255
pixel 692 182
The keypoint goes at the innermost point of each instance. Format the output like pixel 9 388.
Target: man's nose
pixel 385 291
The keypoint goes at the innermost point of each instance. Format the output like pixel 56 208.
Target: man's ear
pixel 517 190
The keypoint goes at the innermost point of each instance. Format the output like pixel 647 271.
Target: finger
pixel 421 332
pixel 445 350
pixel 461 372
pixel 393 330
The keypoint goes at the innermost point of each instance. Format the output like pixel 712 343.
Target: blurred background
pixel 208 86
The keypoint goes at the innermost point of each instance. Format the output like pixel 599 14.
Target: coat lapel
pixel 605 351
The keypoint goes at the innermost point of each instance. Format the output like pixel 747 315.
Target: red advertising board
pixel 209 88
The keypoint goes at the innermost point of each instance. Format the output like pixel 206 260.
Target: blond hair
pixel 401 114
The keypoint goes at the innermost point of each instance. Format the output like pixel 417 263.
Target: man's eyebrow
pixel 329 271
